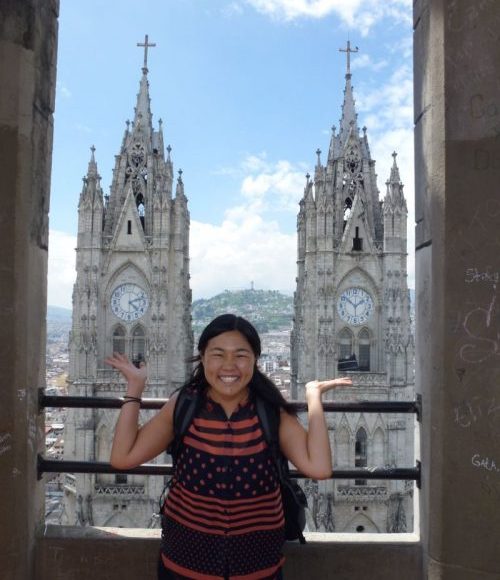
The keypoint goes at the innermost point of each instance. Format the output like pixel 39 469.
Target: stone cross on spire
pixel 146 45
pixel 348 50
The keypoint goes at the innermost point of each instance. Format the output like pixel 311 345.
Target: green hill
pixel 267 310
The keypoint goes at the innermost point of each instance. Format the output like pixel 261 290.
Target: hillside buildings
pixel 352 316
pixel 131 296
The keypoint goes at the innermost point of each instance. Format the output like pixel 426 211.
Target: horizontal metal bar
pixel 299 406
pixel 55 466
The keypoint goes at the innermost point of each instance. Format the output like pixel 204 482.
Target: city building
pixel 131 296
pixel 352 317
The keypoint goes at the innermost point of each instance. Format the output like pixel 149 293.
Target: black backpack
pixel 293 498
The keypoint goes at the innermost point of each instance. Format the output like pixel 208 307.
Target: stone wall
pixel 457 154
pixel 28 37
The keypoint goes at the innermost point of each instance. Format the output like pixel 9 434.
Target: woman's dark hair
pixel 260 384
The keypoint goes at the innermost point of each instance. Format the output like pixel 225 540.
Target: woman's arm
pixel 310 450
pixel 134 445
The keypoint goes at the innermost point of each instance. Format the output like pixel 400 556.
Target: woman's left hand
pixel 324 386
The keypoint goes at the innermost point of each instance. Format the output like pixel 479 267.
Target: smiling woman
pixel 225 498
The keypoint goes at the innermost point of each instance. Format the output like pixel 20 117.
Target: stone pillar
pixel 28 33
pixel 457 154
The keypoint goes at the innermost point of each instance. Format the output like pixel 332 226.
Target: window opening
pixel 347 359
pixel 129 227
pixel 357 242
pixel 360 453
pixel 364 350
pixel 347 209
pixel 139 200
pixel 138 344
pixel 119 340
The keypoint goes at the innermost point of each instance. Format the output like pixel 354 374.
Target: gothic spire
pixel 349 116
pixel 143 109
pixel 91 190
pixel 92 169
pixel 179 190
pixel 394 185
pixel 395 178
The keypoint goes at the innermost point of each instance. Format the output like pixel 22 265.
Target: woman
pixel 222 518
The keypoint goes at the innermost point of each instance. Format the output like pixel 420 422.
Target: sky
pixel 247 90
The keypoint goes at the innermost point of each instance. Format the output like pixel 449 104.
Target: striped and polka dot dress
pixel 223 516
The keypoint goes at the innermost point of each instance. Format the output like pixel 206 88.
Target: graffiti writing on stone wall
pixel 485 275
pixel 483 334
pixel 485 463
pixel 478 410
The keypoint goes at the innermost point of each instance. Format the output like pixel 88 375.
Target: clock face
pixel 355 306
pixel 129 302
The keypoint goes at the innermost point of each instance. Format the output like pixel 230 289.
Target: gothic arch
pixel 378 446
pixel 138 338
pixel 342 456
pixel 361 452
pixel 370 282
pixel 119 339
pixel 361 523
pixel 116 278
pixel 120 520
pixel 364 340
pixel 103 441
pixel 345 343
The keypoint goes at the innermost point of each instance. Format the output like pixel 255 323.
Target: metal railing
pixel 372 473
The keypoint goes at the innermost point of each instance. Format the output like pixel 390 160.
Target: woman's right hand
pixel 135 376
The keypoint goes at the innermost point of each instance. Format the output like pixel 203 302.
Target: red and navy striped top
pixel 223 516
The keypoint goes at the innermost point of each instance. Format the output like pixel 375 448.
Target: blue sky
pixel 247 91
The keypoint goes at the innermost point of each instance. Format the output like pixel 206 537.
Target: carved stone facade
pixel 131 295
pixel 352 316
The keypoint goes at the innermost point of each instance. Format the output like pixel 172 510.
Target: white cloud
pixel 388 114
pixel 61 268
pixel 246 247
pixel 243 249
pixel 358 14
pixel 275 186
pixel 365 61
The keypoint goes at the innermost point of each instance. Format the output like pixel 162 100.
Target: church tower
pixel 131 296
pixel 352 317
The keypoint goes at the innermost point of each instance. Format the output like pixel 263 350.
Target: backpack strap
pixel 186 405
pixel 269 418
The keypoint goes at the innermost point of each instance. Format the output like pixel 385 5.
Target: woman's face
pixel 228 362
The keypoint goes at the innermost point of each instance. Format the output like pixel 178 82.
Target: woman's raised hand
pixel 324 386
pixel 135 376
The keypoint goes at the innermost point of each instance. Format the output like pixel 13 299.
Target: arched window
pixel 364 350
pixel 361 453
pixel 378 447
pixel 347 209
pixel 345 343
pixel 347 358
pixel 138 343
pixel 119 340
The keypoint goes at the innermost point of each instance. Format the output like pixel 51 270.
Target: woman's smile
pixel 228 363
